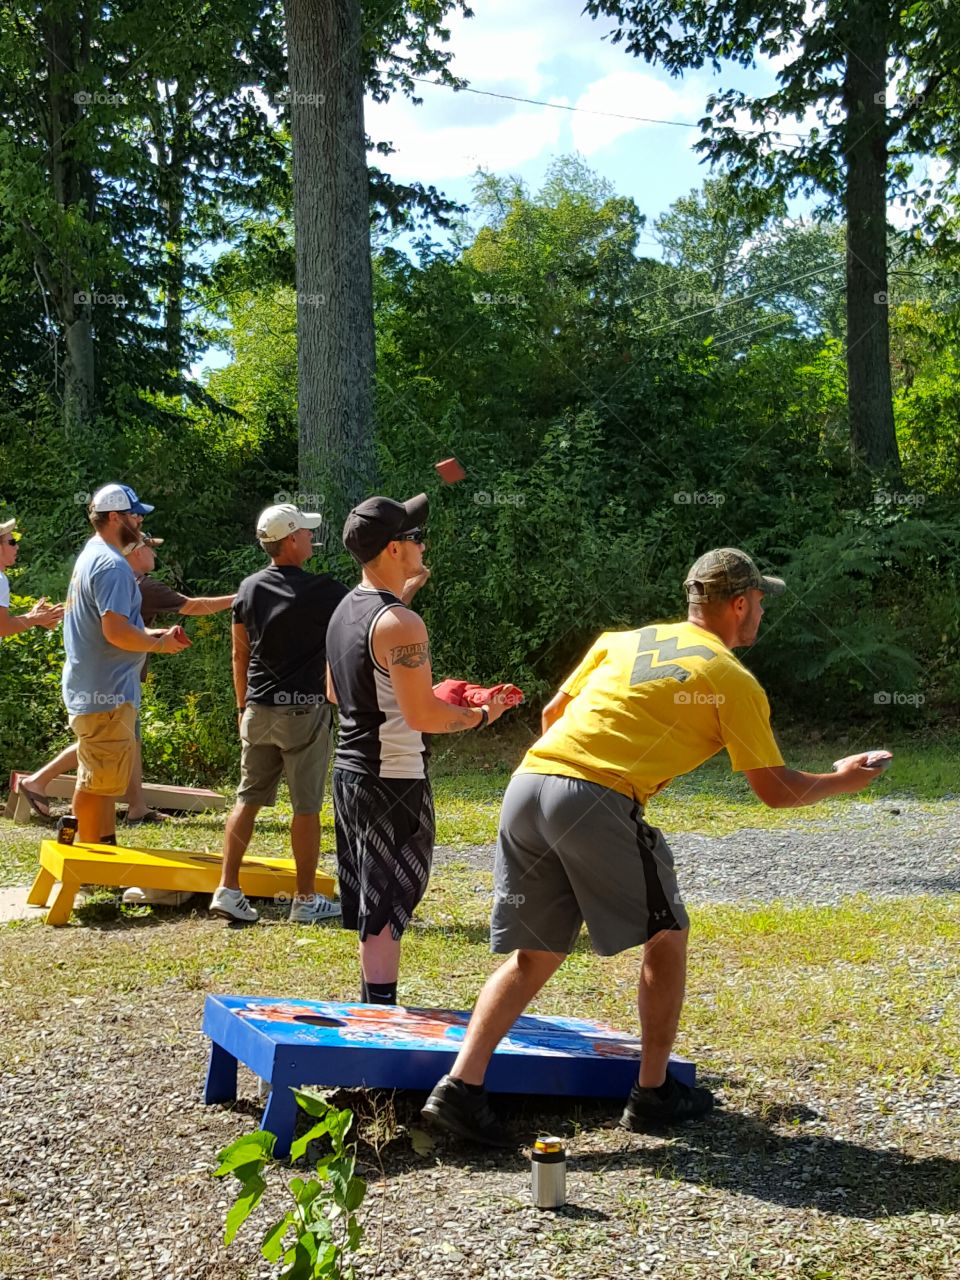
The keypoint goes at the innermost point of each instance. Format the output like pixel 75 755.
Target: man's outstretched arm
pixel 784 788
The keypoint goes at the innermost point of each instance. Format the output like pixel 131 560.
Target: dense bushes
pixel 607 443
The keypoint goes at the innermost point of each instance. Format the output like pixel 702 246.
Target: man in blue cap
pixel 105 642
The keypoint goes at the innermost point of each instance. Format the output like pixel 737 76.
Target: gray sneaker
pixel 231 904
pixel 313 909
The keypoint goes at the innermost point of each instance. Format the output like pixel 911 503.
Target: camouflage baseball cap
pixel 726 572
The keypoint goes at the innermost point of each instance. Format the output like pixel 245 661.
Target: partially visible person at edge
pixel 155 598
pixel 378 657
pixel 280 618
pixel 641 708
pixel 41 614
pixel 105 642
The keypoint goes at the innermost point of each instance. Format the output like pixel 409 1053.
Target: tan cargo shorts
pixel 106 743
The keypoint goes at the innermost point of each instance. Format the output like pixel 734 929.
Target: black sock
pixel 663 1090
pixel 381 993
pixel 472 1088
pixel 364 993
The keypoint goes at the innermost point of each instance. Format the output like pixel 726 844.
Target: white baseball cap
pixel 119 497
pixel 8 526
pixel 279 522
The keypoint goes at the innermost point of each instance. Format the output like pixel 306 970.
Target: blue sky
pixel 547 49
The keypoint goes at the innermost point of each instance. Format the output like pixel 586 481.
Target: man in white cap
pixel 280 619
pixel 42 614
pixel 105 642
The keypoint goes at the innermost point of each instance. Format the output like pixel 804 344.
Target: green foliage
pixel 31 707
pixel 317 1237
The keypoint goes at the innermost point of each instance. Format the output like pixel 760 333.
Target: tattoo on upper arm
pixel 410 655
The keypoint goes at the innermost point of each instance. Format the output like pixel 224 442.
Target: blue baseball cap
pixel 119 497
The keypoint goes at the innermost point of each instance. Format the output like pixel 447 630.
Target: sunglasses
pixel 413 535
pixel 12 541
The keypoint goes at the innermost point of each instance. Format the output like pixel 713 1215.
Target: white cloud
pixel 536 49
pixel 629 93
pixel 430 150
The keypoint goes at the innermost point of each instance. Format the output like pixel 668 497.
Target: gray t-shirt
pixel 97 676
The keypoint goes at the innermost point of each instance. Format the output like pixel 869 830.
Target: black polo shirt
pixel 285 612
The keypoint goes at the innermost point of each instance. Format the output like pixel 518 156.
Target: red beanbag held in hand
pixel 461 694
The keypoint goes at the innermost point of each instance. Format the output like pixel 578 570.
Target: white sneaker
pixel 314 909
pixel 155 897
pixel 231 904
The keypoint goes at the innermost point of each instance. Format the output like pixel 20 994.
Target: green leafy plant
pixel 322 1227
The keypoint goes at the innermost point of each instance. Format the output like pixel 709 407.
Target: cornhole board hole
pixel 119 868
pixel 319 1042
pixel 157 796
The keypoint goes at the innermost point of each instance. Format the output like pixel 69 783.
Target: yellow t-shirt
pixel 648 705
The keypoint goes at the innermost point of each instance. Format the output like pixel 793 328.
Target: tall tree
pixel 336 48
pixel 882 80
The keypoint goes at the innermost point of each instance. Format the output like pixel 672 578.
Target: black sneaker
pixel 646 1108
pixel 453 1107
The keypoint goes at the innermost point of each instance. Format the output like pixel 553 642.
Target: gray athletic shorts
pixel 571 852
pixel 290 741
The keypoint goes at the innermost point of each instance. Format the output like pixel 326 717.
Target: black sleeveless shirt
pixel 374 738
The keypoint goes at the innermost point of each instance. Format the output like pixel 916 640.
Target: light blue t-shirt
pixel 97 676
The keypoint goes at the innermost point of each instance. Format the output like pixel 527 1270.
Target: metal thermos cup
pixel 548 1173
pixel 66 829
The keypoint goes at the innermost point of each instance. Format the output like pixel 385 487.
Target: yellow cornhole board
pixel 112 865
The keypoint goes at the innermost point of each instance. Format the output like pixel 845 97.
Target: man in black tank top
pixel 378 672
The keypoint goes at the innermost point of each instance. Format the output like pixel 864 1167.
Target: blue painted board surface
pixel 330 1043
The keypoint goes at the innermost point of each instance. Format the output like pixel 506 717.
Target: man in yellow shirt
pixel 641 708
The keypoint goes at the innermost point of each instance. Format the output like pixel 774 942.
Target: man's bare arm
pixel 198 606
pixel 401 644
pixel 554 710
pixel 240 656
pixel 784 788
pixel 122 634
pixel 331 691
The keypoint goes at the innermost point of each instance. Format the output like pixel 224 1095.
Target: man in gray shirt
pixel 105 642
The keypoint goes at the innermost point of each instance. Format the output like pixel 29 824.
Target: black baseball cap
pixel 376 521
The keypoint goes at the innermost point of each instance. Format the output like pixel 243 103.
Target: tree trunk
pixel 873 441
pixel 171 121
pixel 331 203
pixel 72 188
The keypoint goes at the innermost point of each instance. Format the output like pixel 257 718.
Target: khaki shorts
pixel 294 741
pixel 106 743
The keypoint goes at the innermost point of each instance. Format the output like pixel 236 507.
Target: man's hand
pixel 853 770
pixel 45 615
pixel 501 702
pixel 413 585
pixel 172 640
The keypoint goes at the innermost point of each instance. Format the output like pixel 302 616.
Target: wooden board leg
pixel 21 810
pixel 62 905
pixel 221 1085
pixel 40 890
pixel 280 1117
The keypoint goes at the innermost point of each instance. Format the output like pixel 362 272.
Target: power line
pixel 587 111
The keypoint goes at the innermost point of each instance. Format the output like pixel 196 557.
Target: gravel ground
pixel 106 1149
pixel 879 849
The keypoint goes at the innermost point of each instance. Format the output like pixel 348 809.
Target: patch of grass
pixel 843 991
pixel 470 773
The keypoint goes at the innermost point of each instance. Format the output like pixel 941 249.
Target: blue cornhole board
pixel 307 1042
